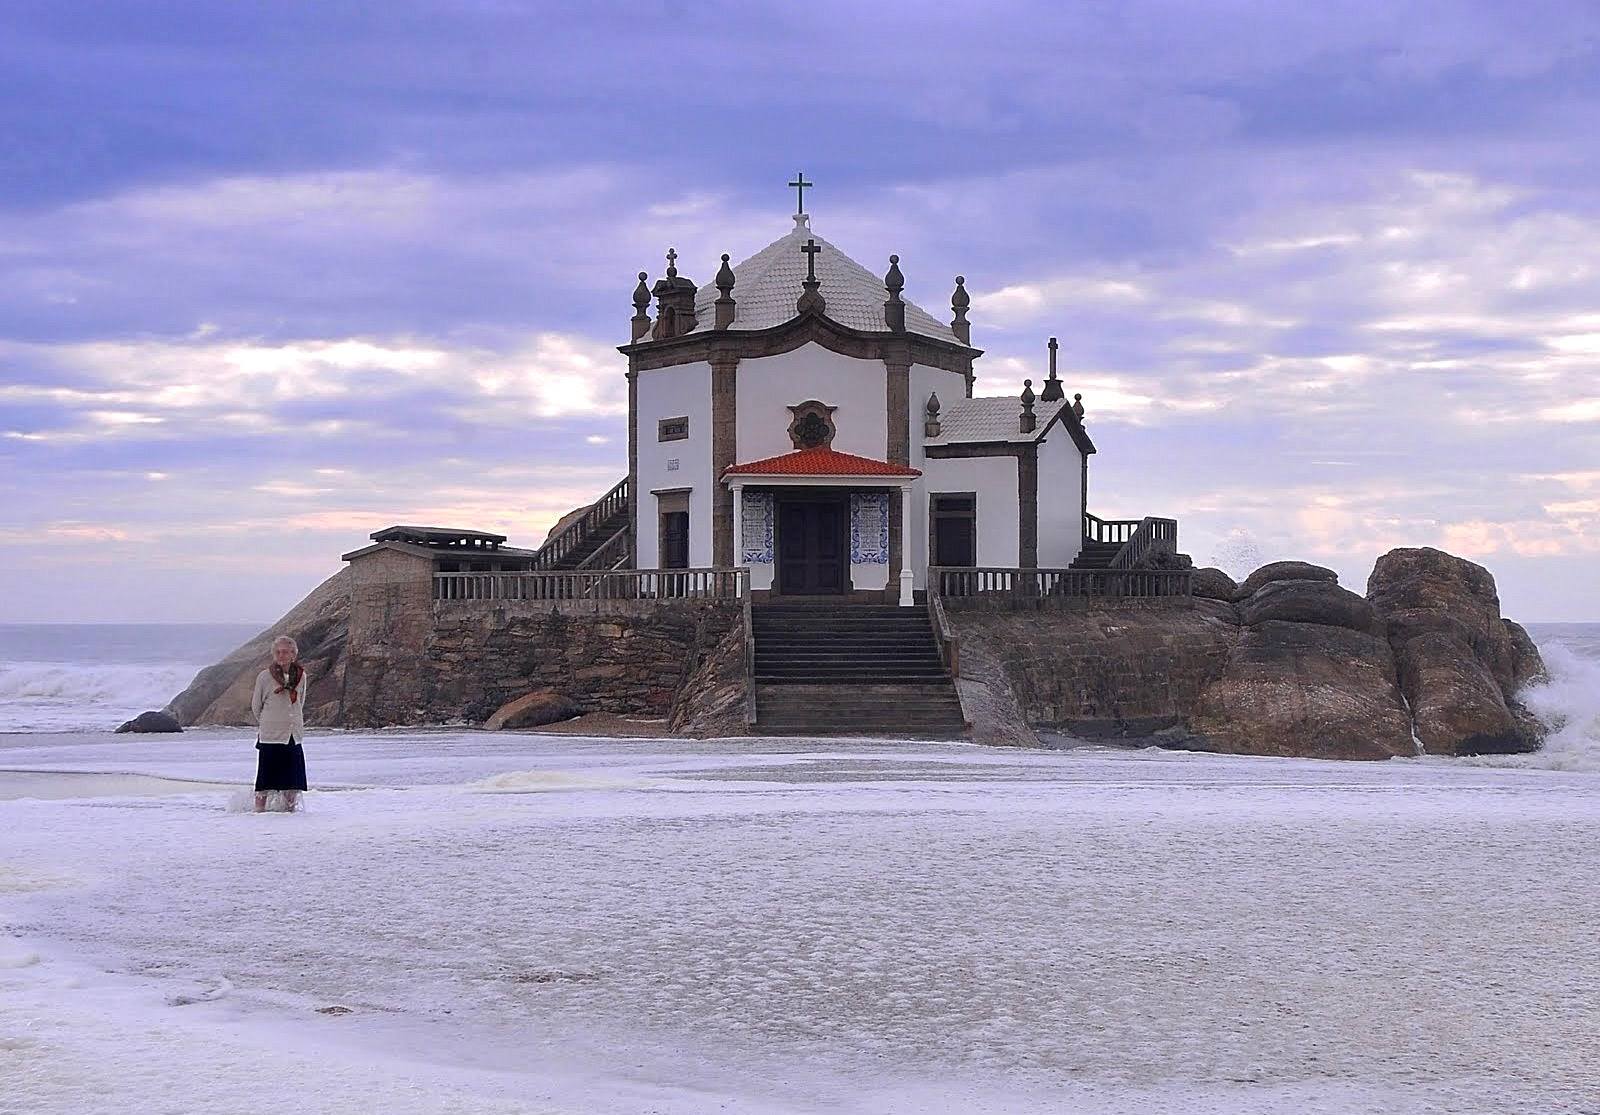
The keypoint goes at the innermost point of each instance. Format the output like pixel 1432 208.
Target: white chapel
pixel 798 417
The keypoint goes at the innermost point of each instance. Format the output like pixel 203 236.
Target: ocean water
pixel 88 677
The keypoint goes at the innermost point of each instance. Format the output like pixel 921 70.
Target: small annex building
pixel 798 417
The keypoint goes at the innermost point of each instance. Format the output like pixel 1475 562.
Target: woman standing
pixel 280 707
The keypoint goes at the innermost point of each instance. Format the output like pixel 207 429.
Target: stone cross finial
pixel 959 301
pixel 800 185
pixel 672 263
pixel 811 299
pixel 1028 421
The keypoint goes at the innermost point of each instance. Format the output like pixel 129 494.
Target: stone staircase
pixel 592 536
pixel 603 526
pixel 1095 555
pixel 825 669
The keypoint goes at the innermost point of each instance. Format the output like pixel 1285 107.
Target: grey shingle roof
pixel 767 285
pixel 991 419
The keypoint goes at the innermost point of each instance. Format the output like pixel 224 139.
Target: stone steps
pixel 1096 555
pixel 580 553
pixel 903 711
pixel 851 669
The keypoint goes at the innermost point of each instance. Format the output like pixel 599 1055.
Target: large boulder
pixel 152 722
pixel 1458 707
pixel 1460 663
pixel 1211 583
pixel 532 710
pixel 1284 571
pixel 1309 601
pixel 320 624
pixel 1305 689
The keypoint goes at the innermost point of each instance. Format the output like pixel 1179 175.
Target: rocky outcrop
pixel 1321 603
pixel 1284 571
pixel 1290 663
pixel 1304 689
pixel 533 710
pixel 152 722
pixel 988 704
pixel 1460 664
pixel 320 624
pixel 1211 583
pixel 712 701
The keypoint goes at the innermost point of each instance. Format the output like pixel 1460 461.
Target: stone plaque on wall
pixel 869 528
pixel 755 528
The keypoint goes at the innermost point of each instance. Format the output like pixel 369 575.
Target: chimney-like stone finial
pixel 641 307
pixel 674 302
pixel 1028 421
pixel 1052 392
pixel 930 420
pixel 959 301
pixel 894 309
pixel 724 303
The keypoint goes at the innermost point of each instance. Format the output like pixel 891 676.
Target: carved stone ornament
pixel 812 427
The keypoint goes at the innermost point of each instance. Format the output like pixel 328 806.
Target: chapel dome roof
pixel 767 286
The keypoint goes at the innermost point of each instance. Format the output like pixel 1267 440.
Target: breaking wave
pixel 68 697
pixel 1569 703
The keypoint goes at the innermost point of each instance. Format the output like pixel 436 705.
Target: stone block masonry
pixel 628 658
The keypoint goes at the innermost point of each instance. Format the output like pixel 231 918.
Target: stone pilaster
pixel 633 463
pixel 898 444
pixel 1028 507
pixel 724 452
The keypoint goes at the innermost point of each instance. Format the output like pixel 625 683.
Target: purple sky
pixel 1328 276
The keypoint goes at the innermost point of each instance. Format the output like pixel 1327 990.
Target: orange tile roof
pixel 819 462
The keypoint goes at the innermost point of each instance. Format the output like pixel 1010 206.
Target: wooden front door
pixel 812 550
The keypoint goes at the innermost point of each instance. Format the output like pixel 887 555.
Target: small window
pixel 672 429
pixel 954 503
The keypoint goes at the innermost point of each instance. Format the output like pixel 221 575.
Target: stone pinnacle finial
pixel 1077 405
pixel 1052 387
pixel 959 301
pixel 894 308
pixel 641 307
pixel 1028 421
pixel 930 421
pixel 724 303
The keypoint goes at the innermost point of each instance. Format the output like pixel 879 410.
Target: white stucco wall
pixel 770 385
pixel 950 386
pixel 994 479
pixel 1060 500
pixel 672 393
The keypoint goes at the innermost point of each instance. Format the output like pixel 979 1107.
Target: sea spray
pixel 1569 705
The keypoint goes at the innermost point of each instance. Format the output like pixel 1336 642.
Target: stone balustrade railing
pixel 993 586
pixel 584 586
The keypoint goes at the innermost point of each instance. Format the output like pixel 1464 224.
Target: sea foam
pixel 1569 704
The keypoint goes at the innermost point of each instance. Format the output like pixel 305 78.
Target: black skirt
pixel 280 766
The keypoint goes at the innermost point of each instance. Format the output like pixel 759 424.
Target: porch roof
pixel 822 462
